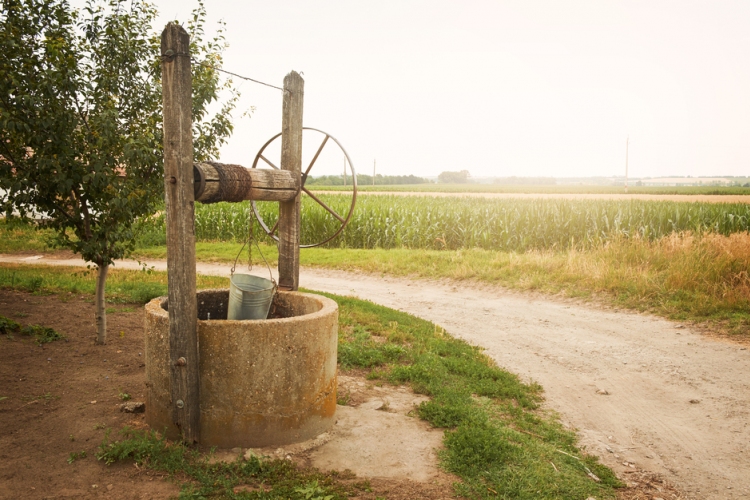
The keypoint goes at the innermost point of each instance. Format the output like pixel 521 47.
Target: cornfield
pixel 439 223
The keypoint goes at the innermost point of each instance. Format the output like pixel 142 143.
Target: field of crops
pixel 505 224
pixel 541 189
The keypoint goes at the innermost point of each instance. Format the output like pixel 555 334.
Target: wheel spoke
pixel 273 229
pixel 320 202
pixel 316 156
pixel 268 161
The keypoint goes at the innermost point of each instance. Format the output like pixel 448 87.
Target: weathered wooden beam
pixel 291 160
pixel 216 182
pixel 180 213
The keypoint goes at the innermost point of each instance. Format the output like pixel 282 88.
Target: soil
pixel 61 397
pixel 661 403
pixel 695 198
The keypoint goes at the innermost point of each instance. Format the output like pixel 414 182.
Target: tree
pixel 461 177
pixel 80 121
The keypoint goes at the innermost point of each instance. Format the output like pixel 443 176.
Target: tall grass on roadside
pixel 509 225
pixel 681 276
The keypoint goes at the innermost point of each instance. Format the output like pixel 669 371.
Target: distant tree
pixel 81 121
pixel 461 177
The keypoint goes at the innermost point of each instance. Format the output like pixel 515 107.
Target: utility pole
pixel 627 144
pixel 373 171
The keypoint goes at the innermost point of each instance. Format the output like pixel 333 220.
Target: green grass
pixel 42 334
pixel 497 440
pixel 123 286
pixel 16 237
pixel 202 479
pixel 213 251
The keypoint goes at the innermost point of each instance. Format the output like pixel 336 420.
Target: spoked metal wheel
pixel 270 155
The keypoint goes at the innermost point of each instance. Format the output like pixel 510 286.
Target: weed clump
pixel 42 334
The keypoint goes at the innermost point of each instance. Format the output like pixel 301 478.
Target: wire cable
pixel 235 74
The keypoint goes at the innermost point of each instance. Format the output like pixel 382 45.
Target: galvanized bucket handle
pixel 250 264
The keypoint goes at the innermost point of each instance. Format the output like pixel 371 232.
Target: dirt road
pixel 640 390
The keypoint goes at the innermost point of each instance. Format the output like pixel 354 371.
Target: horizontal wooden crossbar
pixel 215 182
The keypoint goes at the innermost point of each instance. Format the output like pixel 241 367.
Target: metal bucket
pixel 250 296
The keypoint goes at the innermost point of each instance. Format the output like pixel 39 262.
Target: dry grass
pixel 681 276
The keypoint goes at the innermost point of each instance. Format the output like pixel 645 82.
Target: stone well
pixel 262 382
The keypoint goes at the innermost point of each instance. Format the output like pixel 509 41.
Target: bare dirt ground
pixel 702 198
pixel 652 398
pixel 60 399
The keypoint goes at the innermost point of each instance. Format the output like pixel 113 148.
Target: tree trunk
pixel 101 309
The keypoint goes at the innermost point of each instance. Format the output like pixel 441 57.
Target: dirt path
pixel 640 390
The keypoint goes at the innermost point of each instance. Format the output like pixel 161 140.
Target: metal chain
pixel 251 239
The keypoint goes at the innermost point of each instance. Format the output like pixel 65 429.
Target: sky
pixel 498 88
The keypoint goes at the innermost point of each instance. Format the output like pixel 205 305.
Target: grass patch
pixel 497 440
pixel 21 237
pixel 202 479
pixel 46 397
pixel 123 285
pixel 216 251
pixel 76 455
pixel 42 334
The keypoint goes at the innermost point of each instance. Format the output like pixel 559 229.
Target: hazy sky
pixel 500 88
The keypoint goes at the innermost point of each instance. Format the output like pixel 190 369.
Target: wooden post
pixel 179 198
pixel 291 159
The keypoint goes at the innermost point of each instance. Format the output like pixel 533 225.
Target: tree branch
pixel 86 216
pixel 80 113
pixel 8 155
